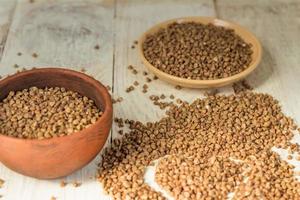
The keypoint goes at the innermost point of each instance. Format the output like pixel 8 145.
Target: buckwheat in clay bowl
pixel 53 121
pixel 199 52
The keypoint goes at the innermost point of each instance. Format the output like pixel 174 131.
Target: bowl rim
pixel 97 84
pixel 201 19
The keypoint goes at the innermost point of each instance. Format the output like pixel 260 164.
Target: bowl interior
pixel 247 36
pixel 53 77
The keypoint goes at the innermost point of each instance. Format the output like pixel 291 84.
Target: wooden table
pixel 64 33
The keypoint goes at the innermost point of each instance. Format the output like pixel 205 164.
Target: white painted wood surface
pixel 64 33
pixel 6 12
pixel 132 19
pixel 277 26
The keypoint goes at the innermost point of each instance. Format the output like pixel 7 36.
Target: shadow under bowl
pixel 59 156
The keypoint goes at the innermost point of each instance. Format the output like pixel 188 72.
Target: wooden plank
pixel 63 34
pixel 132 19
pixel 277 26
pixel 6 12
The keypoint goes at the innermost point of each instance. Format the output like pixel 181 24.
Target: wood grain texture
pixel 7 8
pixel 65 32
pixel 277 26
pixel 62 34
pixel 132 19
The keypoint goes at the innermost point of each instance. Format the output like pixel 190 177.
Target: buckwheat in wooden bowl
pixel 199 52
pixel 55 157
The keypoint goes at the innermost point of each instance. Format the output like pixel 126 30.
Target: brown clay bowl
pixel 60 156
pixel 241 31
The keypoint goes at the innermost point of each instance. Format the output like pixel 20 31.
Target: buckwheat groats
pixel 206 149
pixel 197 177
pixel 46 113
pixel 1 182
pixel 197 51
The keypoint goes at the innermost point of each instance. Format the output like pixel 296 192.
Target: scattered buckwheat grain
pixel 16 66
pixel 178 87
pixel 162 96
pixel 108 88
pixel 154 98
pixel 129 89
pixel 162 105
pixel 34 55
pixel 83 70
pixel 118 100
pixel 134 71
pixel 207 149
pixel 130 67
pixel 179 101
pixel 77 184
pixel 145 73
pixel 120 132
pixel 63 184
pixel 119 121
pixel 1 182
pixel 145 88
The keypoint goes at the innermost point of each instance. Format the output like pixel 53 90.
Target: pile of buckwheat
pixel 206 150
pixel 46 113
pixel 197 51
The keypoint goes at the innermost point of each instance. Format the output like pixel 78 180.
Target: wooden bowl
pixel 242 32
pixel 60 156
